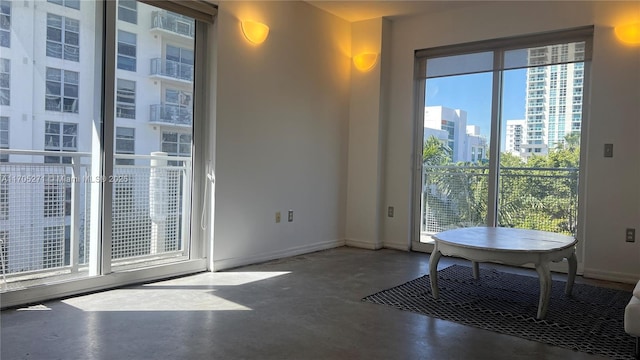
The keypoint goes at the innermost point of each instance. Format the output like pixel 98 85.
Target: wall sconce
pixel 629 34
pixel 365 61
pixel 254 31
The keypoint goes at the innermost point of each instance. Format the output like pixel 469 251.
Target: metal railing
pixel 171 114
pixel 531 198
pixel 172 69
pixel 45 211
pixel 173 22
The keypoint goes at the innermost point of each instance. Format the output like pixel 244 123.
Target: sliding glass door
pixel 456 129
pixel 51 133
pixel 96 150
pixel 501 126
pixel 153 130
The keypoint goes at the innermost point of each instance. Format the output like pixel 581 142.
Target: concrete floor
pixel 305 307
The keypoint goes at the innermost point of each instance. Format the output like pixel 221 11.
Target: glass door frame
pixel 498 47
pixel 100 274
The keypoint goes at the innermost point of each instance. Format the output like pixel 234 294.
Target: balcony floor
pixel 306 307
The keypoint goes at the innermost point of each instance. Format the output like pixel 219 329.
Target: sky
pixel 472 93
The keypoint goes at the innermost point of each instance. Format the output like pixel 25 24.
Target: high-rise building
pixel 514 136
pixel 553 107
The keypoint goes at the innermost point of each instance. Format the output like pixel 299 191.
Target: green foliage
pixel 510 160
pixel 540 193
pixel 435 152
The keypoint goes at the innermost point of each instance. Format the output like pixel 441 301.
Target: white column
pixel 158 201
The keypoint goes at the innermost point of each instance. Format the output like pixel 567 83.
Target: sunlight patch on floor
pixel 200 292
pixel 39 307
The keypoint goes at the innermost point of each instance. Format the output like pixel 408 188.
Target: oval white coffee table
pixel 507 246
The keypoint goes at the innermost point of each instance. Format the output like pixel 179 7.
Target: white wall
pixel 612 190
pixel 281 132
pixel 285 110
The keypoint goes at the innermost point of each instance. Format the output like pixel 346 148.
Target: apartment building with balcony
pixel 45 198
pixel 553 101
pixel 514 136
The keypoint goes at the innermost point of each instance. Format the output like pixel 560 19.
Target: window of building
pixel 125 144
pixel 5 23
pixel 63 37
pixel 178 106
pixel 73 4
pixel 126 99
pixel 126 51
pixel 60 137
pixel 176 144
pixel 180 62
pixel 5 82
pixel 4 137
pixel 178 98
pixel 61 90
pixel 128 11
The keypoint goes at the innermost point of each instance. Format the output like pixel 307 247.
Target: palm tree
pixel 435 152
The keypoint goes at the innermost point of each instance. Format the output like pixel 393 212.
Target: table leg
pixel 433 270
pixel 573 266
pixel 476 270
pixel 544 273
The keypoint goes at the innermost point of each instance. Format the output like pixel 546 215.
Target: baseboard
pixel 362 244
pixel 611 276
pixel 223 264
pixel 397 246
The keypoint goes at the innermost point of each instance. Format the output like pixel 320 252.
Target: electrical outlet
pixel 277 216
pixel 390 211
pixel 631 235
pixel 290 216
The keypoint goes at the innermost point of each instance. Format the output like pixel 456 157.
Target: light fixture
pixel 629 33
pixel 365 61
pixel 254 31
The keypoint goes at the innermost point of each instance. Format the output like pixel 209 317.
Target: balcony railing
pixel 172 69
pixel 173 22
pixel 171 114
pixel 532 198
pixel 45 212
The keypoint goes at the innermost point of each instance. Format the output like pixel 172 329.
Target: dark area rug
pixel 591 320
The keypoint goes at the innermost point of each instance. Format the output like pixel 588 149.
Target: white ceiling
pixel 357 10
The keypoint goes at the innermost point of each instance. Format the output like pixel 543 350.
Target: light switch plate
pixel 608 150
